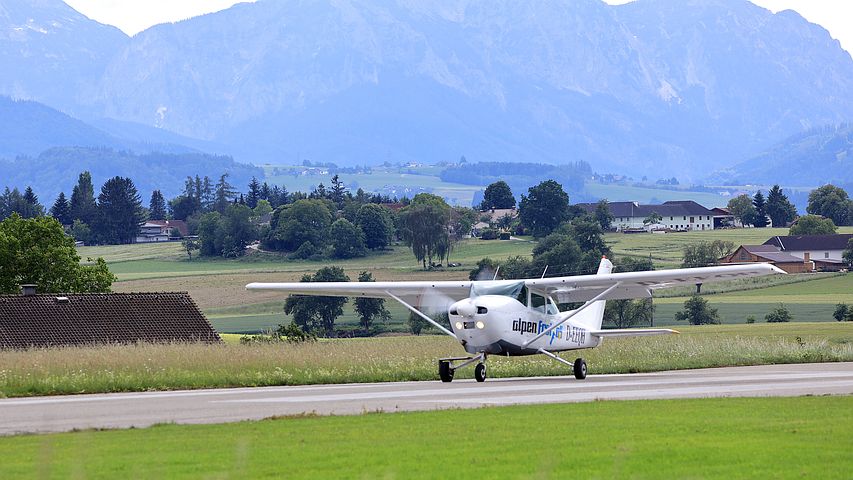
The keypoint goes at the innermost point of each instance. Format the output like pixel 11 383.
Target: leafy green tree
pixel 628 313
pixel 760 205
pixel 235 231
pixel 462 220
pixel 182 207
pixel 425 227
pixel 416 324
pixel 190 245
pixel 813 225
pixel 37 251
pixel 498 195
pixel 603 215
pixel 848 254
pixel 207 227
pixel 314 313
pixel 840 313
pixel 698 312
pixel 83 206
pixel 588 234
pixel 157 206
pixel 61 210
pixel 262 208
pixel 703 254
pixel 653 219
pixel 780 210
pixel 81 232
pixel 779 314
pixel 568 251
pixel 743 209
pixel 544 208
pixel 120 213
pixel 376 223
pixel 346 239
pixel 831 202
pixel 369 309
pixel 302 221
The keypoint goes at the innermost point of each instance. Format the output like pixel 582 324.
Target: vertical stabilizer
pixel 592 316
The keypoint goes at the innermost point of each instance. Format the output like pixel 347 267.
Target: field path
pixel 124 410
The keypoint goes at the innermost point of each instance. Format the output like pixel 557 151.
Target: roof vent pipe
pixel 28 290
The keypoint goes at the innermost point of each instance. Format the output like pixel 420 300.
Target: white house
pixel 824 250
pixel 682 215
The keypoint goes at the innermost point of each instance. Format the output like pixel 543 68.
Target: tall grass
pixel 188 366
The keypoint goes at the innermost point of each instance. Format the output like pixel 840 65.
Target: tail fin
pixel 593 316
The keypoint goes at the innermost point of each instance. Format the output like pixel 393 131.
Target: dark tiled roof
pixel 760 248
pixel 811 242
pixel 666 209
pixel 86 319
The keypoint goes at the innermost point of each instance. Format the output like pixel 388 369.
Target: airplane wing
pixel 641 284
pixel 563 289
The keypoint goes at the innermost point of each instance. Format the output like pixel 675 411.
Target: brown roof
pixel 811 242
pixel 170 224
pixel 86 319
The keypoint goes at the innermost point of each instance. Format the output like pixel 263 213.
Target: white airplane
pixel 487 318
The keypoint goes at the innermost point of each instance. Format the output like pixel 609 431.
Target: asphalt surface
pixel 124 410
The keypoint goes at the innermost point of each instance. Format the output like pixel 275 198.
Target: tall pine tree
pixel 254 193
pixel 779 209
pixel 760 205
pixel 32 207
pixel 83 206
pixel 223 195
pixel 61 210
pixel 120 212
pixel 157 206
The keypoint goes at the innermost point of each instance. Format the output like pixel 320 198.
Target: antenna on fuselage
pixel 544 271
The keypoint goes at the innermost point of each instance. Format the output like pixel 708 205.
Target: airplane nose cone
pixel 466 308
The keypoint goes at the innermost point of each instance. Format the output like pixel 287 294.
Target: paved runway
pixel 123 410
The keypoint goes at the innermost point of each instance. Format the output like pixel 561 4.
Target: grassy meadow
pixel 702 438
pixel 169 367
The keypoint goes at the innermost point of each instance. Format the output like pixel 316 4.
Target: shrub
pixel 489 234
pixel 779 314
pixel 750 319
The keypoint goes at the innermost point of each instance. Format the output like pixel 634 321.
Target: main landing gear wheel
pixel 579 369
pixel 480 372
pixel 444 371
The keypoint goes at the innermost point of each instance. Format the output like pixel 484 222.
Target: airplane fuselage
pixel 501 325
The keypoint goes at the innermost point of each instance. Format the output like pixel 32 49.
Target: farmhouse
pixel 681 215
pixel 824 250
pixel 795 254
pixel 154 231
pixel 33 320
pixel 768 254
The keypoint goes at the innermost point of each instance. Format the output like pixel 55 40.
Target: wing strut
pixel 573 313
pixel 421 314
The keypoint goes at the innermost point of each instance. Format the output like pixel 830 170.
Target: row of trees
pixel 828 202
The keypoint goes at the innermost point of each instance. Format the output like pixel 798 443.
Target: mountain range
pixel 654 87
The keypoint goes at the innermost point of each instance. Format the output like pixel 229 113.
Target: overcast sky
pixel 133 16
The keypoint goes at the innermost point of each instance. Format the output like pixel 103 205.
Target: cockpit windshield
pixel 506 289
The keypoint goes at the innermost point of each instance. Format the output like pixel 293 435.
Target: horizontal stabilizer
pixel 632 332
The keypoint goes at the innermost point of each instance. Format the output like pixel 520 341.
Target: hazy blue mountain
pixel 57 169
pixel 29 128
pixel 654 85
pixel 51 53
pixel 818 156
pixel 677 87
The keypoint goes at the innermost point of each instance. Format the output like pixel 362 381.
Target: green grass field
pixel 384 359
pixel 806 437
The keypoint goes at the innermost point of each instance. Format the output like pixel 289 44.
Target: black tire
pixel 480 372
pixel 445 372
pixel 579 369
